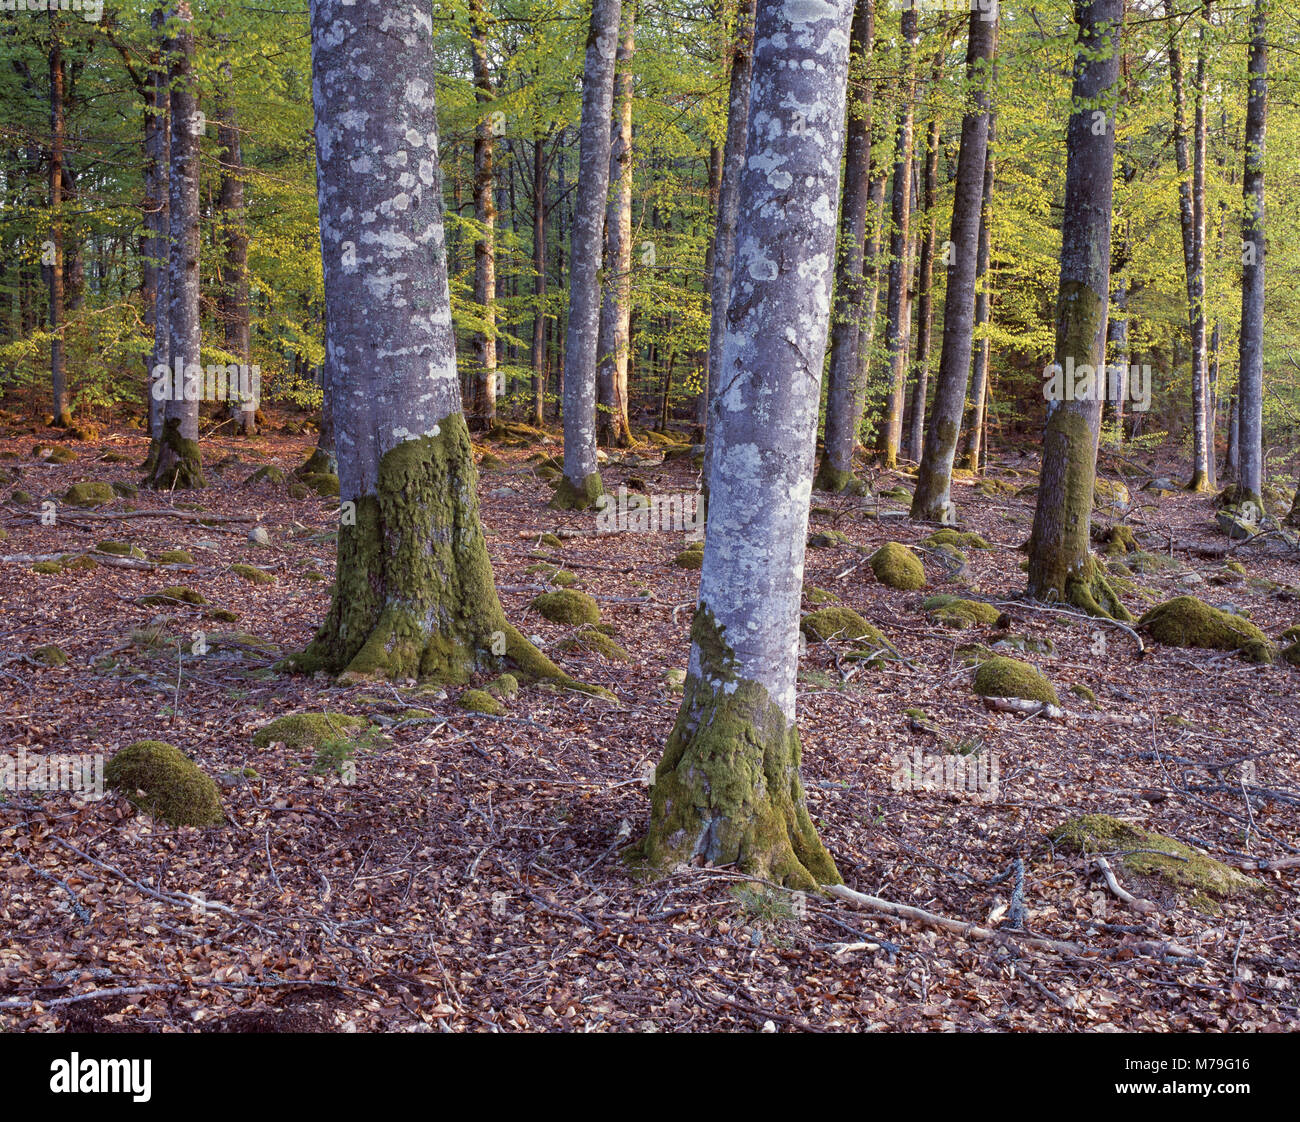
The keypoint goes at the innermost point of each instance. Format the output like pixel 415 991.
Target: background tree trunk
pixel 925 286
pixel 58 376
pixel 979 389
pixel 1251 363
pixel 232 297
pixel 157 145
pixel 485 214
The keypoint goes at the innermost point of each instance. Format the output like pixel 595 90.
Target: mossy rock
pixel 47 568
pixel 325 484
pixel 897 494
pixel 819 596
pixel 124 490
pixel 1025 644
pixel 480 701
pixel 1009 677
pixel 992 488
pixel 169 596
pixel 580 497
pixel 592 639
pixel 826 539
pixel 253 574
pixel 490 462
pixel 956 612
pixel 1116 541
pixel 1186 621
pixel 89 494
pixel 972 654
pixel 62 456
pixel 268 474
pixel 163 782
pixel 504 688
pixel 21 498
pixel 116 458
pixel 692 557
pixel 1083 693
pixel 567 606
pixel 957 539
pixel 1144 562
pixel 562 578
pixel 845 625
pixel 1109 492
pixel 675 680
pixel 898 567
pixel 121 549
pixel 1291 654
pixel 1144 854
pixel 306 730
pixel 174 557
pixel 50 655
pixel 1290 635
pixel 551 541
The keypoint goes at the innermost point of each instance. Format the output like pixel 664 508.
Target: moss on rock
pixel 174 557
pixel 306 730
pixel 480 701
pixel 1009 677
pixel 896 566
pixel 956 612
pixel 591 639
pixel 169 596
pixel 1186 621
pixel 253 574
pixel 51 655
pixel 163 782
pixel 692 557
pixel 957 539
pixel 567 606
pixel 89 494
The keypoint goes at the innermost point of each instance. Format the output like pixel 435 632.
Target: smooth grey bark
pixel 157 146
pixel 58 376
pixel 614 343
pixel 1061 566
pixel 232 298
pixel 581 483
pixel 979 388
pixel 485 216
pixel 539 278
pixel 925 294
pixel 896 333
pixel 724 234
pixel 1117 346
pixel 843 390
pixel 178 463
pixel 931 500
pixel 728 787
pixel 1251 361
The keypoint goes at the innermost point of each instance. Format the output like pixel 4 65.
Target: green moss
pixel 504 688
pixel 1108 492
pixel 551 540
pixel 120 549
pixel 728 791
pixel 832 479
pixel 896 566
pixel 252 574
pixel 1291 654
pixel 168 596
pixel 972 654
pixel 567 606
pixel 1009 677
pixel 161 781
pixel 21 498
pixel 956 539
pixel 1143 562
pixel 825 539
pixel 581 497
pixel 1186 621
pixel 88 494
pixel 325 484
pixel 47 568
pixel 306 730
pixel 480 701
pixel 124 490
pixel 177 463
pixel 692 557
pixel 62 456
pixel 51 655
pixel 1084 693
pixel 590 639
pixel 268 474
pixel 956 612
pixel 819 596
pixel 174 557
pixel 320 462
pixel 1116 540
pixel 1290 635
pixel 562 578
pixel 842 624
pixel 1148 854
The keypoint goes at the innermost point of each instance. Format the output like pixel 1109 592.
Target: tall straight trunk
pixel 539 278
pixel 1232 455
pixel 232 299
pixel 724 234
pixel 1251 363
pixel 871 283
pixel 925 285
pixel 157 147
pixel 931 500
pixel 702 357
pixel 841 431
pixel 58 376
pixel 616 308
pixel 581 484
pixel 484 413
pixel 415 594
pixel 891 431
pixel 728 791
pixel 1117 345
pixel 1061 568
pixel 178 463
pixel 979 388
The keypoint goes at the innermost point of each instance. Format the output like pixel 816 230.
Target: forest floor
pixel 469 873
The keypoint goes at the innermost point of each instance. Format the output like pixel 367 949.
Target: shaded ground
pixel 469 876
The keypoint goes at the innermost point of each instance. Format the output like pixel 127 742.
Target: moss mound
pixel 51 655
pixel 567 606
pixel 480 701
pixel 956 612
pixel 591 639
pixel 252 574
pixel 825 539
pixel 957 539
pixel 692 557
pixel 170 595
pixel 306 730
pixel 1009 677
pixel 819 596
pixel 504 688
pixel 1145 854
pixel 269 474
pixel 89 494
pixel 837 623
pixel 1116 541
pixel 550 540
pixel 896 566
pixel 324 483
pixel 1144 562
pixel 174 557
pixel 1186 621
pixel 165 783
pixel 120 549
pixel 1291 655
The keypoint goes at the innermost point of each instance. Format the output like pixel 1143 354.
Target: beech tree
pixel 728 789
pixel 581 483
pixel 1061 565
pixel 414 595
pixel 154 284
pixel 485 214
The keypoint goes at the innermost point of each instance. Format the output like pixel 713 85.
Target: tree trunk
pixel 1251 362
pixel 727 791
pixel 233 294
pixel 616 307
pixel 724 234
pixel 179 464
pixel 415 594
pixel 1061 567
pixel 484 414
pixel 925 285
pixel 539 278
pixel 581 484
pixel 983 304
pixel 157 146
pixel 58 378
pixel 931 500
pixel 842 392
pixel 891 432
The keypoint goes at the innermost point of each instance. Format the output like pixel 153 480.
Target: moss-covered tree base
pixel 415 596
pixel 178 465
pixel 319 462
pixel 1089 590
pixel 1200 482
pixel 581 497
pixel 832 479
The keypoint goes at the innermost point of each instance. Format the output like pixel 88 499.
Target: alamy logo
pixel 53 771
pixel 651 514
pixel 238 384
pixel 976 774
pixel 92 11
pixel 102 1077
pixel 1084 382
